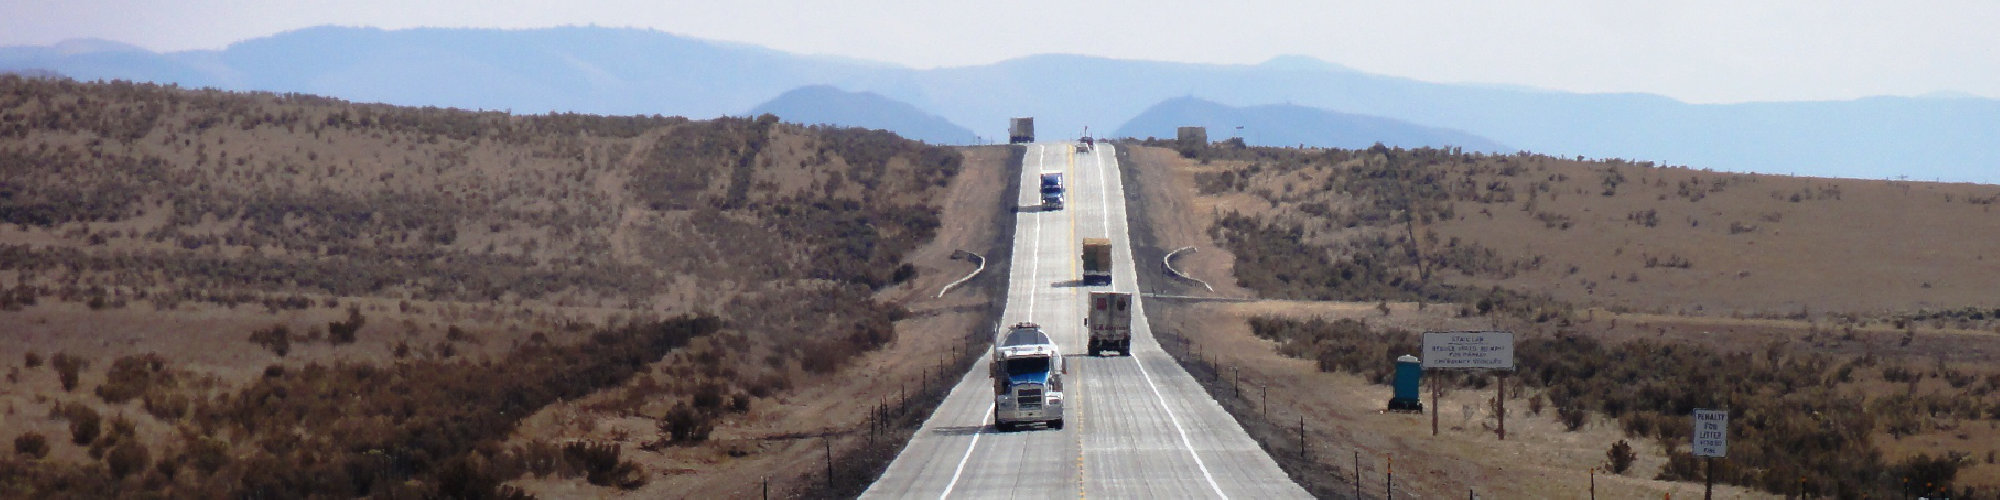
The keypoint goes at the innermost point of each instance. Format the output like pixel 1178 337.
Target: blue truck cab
pixel 1027 379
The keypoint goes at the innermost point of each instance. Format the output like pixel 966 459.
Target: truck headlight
pixel 1055 399
pixel 1004 400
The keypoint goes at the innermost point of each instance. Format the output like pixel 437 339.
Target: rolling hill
pixel 628 71
pixel 1288 125
pixel 825 105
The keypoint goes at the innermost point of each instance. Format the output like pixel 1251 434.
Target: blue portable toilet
pixel 1409 377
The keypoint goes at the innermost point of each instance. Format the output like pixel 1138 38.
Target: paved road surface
pixel 1137 427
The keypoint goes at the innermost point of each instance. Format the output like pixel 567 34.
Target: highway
pixel 1137 427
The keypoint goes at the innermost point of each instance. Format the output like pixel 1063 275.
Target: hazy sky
pixel 1697 51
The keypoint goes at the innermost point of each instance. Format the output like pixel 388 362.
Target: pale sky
pixel 1701 51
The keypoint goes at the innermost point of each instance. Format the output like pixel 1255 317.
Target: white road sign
pixel 1488 350
pixel 1711 433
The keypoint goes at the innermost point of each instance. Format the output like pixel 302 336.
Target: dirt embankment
pixel 866 411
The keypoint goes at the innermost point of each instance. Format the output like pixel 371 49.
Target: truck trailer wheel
pixel 1055 424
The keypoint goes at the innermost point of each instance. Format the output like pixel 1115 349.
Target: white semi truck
pixel 1109 322
pixel 1027 378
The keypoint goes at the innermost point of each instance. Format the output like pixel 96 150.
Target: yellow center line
pixel 1077 294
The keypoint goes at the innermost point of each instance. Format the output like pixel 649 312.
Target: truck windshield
pixel 1026 336
pixel 1024 366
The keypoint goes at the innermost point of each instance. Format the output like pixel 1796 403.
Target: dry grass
pixel 178 222
pixel 1831 301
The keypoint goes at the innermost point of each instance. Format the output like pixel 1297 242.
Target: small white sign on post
pixel 1467 350
pixel 1711 433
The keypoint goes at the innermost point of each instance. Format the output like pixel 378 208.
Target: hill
pixel 624 71
pixel 1287 125
pixel 1843 322
pixel 295 295
pixel 822 104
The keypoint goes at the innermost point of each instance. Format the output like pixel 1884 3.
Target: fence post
pixel 828 440
pixel 1357 474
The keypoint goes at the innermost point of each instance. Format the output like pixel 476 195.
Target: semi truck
pixel 1021 130
pixel 1052 191
pixel 1027 374
pixel 1096 261
pixel 1109 322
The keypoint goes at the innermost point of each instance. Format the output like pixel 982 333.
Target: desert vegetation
pixel 1849 360
pixel 399 289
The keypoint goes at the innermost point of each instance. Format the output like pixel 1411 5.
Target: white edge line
pixel 968 454
pixel 1035 266
pixel 1176 420
pixel 1103 188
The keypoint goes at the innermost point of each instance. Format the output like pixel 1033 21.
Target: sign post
pixel 1484 350
pixel 1711 441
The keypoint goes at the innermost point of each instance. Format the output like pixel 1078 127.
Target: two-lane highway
pixel 1136 427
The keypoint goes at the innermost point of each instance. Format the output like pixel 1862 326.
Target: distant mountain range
pixel 629 71
pixel 825 105
pixel 1295 125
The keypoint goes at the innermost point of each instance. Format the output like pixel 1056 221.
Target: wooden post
pixel 828 440
pixel 1435 390
pixel 1389 480
pixel 1302 436
pixel 1500 408
pixel 1357 474
pixel 1708 480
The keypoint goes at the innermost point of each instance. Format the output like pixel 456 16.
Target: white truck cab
pixel 1027 378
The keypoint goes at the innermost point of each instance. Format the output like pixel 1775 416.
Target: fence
pixel 1282 431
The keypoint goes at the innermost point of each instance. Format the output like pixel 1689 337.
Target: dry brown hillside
pixel 349 299
pixel 1848 324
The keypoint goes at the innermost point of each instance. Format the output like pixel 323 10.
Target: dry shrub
pixel 342 332
pixel 84 423
pixel 67 366
pixel 277 338
pixel 132 376
pixel 1620 456
pixel 601 465
pixel 32 444
pixel 127 457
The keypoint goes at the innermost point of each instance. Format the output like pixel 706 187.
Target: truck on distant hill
pixel 1109 322
pixel 1052 191
pixel 1027 374
pixel 1096 261
pixel 1021 130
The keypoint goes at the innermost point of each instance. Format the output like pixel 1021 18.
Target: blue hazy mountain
pixel 630 71
pixel 1290 125
pixel 823 104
